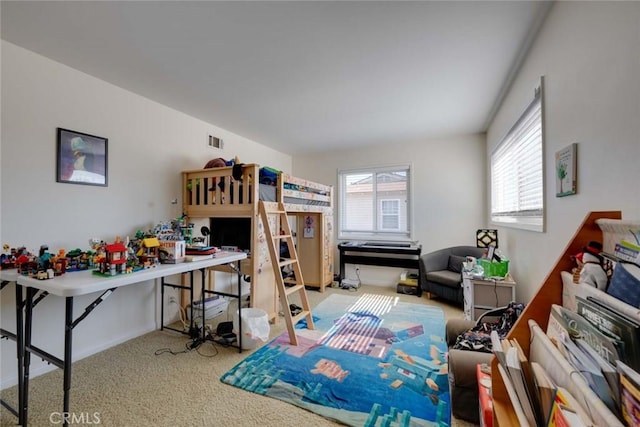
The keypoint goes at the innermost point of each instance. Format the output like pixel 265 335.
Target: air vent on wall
pixel 215 142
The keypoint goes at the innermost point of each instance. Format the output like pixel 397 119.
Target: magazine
pixel 591 372
pixel 564 322
pixel 615 325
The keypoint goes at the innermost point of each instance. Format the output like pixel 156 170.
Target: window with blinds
pixel 517 186
pixel 374 203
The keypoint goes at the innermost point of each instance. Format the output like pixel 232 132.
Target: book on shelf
pixel 545 387
pixel 496 346
pixel 571 290
pixel 610 256
pixel 506 345
pixel 615 325
pixel 565 322
pixel 517 375
pixel 627 251
pixel 625 283
pixel 566 411
pixel 529 381
pixel 608 370
pixel 629 394
pixel 513 396
pixel 589 370
pixel 567 417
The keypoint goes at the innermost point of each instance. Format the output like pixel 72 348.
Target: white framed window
pixel 374 203
pixel 517 178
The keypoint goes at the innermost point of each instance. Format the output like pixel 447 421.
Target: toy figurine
pixel 590 269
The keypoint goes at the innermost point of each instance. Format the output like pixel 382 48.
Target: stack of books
pixel 198 253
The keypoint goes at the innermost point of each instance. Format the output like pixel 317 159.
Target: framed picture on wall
pixel 566 178
pixel 81 158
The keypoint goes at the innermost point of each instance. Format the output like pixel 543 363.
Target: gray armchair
pixel 441 271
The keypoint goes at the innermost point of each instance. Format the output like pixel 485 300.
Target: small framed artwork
pixel 81 158
pixel 566 177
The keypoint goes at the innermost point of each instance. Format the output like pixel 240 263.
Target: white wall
pixel 588 53
pixel 149 145
pixel 448 192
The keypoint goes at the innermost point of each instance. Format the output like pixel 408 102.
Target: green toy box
pixel 494 268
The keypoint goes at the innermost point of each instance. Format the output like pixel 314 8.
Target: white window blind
pixel 517 187
pixel 374 203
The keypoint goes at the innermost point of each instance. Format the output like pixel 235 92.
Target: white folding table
pixel 7 277
pixel 74 284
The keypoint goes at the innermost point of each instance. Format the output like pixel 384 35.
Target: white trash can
pixel 255 326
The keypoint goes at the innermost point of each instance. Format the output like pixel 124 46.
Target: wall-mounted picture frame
pixel 566 173
pixel 81 158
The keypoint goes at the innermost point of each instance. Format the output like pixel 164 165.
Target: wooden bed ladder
pixel 290 285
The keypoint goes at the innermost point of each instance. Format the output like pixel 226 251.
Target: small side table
pixel 484 294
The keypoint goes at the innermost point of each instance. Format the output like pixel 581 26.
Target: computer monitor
pixel 231 232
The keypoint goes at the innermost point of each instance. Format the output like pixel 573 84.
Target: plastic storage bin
pixel 494 268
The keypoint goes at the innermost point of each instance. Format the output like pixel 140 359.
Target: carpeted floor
pixel 128 385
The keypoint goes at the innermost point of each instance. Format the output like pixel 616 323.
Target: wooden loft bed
pixel 539 308
pixel 298 195
pixel 210 193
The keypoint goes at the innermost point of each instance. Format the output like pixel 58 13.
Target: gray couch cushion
pixel 455 263
pixel 445 277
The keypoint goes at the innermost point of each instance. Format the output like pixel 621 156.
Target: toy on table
pixel 113 258
pixel 38 266
pixel 13 257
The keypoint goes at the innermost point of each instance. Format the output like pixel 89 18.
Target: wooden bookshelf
pixel 539 308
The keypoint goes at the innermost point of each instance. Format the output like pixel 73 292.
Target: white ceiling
pixel 298 76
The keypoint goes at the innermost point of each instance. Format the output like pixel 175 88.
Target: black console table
pixel 403 255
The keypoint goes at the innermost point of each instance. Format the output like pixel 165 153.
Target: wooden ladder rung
pixel 287 261
pixel 304 313
pixel 282 236
pixel 293 289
